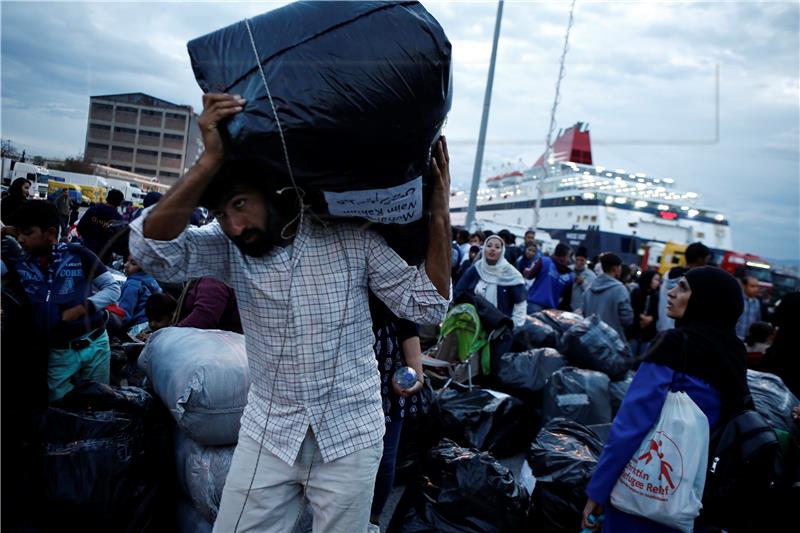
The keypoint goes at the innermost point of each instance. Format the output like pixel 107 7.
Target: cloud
pixel 638 72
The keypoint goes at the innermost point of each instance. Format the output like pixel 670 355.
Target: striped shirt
pixel 307 326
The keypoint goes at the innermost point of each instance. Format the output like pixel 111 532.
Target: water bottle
pixel 406 377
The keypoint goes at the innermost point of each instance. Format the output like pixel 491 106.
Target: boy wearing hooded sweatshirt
pixel 135 292
pixel 608 298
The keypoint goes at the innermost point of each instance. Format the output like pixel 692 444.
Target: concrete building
pixel 142 134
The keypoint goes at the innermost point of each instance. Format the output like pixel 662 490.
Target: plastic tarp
pixel 594 345
pixel 202 378
pixel 560 321
pixel 534 333
pixel 483 419
pixel 618 389
pixel 773 400
pixel 361 90
pixel 201 473
pixel 464 491
pixel 562 458
pixel 577 394
pixel 102 459
pixel 524 374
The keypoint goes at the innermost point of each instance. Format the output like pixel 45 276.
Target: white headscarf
pixel 501 273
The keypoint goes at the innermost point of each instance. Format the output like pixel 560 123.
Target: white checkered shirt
pixel 296 325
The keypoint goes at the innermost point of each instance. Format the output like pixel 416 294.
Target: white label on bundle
pixel 572 399
pixel 396 205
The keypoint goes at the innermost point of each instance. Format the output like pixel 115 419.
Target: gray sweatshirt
pixel 609 299
pixel 579 289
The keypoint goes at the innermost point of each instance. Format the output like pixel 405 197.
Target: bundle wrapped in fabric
pixel 361 91
pixel 464 491
pixel 594 345
pixel 525 374
pixel 562 459
pixel 202 377
pixel 577 394
pixel 201 473
pixel 773 400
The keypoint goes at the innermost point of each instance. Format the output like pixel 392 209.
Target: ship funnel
pixel 572 144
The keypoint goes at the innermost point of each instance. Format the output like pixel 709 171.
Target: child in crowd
pixel 68 288
pixel 759 339
pixel 135 292
pixel 159 310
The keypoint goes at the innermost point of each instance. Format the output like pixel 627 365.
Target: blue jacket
pixel 638 413
pixel 506 296
pixel 135 292
pixel 65 283
pixel 549 285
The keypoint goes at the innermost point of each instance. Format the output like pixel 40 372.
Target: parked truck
pixel 38 176
pixel 93 187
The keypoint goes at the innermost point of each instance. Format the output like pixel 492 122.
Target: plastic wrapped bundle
pixel 534 333
pixel 487 420
pixel 201 473
pixel 525 374
pixel 560 321
pixel 562 458
pixel 202 378
pixel 465 491
pixel 361 89
pixel 618 389
pixel 594 345
pixel 188 520
pixel 773 400
pixel 577 394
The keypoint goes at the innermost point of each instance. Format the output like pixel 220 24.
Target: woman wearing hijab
pixel 495 279
pixel 644 300
pixel 710 363
pixel 17 195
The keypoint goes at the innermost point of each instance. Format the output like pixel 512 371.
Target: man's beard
pixel 261 242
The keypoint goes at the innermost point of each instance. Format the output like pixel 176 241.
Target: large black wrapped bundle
pixel 562 458
pixel 489 421
pixel 577 394
pixel 463 491
pixel 534 333
pixel 525 374
pixel 560 321
pixel 361 89
pixel 618 389
pixel 594 345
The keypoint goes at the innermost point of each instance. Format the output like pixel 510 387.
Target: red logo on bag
pixel 658 471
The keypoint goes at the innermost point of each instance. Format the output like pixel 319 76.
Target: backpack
pixel 744 473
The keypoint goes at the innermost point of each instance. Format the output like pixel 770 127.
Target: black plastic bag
pixel 525 374
pixel 361 89
pixel 489 421
pixel 618 389
pixel 562 458
pixel 103 459
pixel 577 394
pixel 560 321
pixel 417 437
pixel 773 400
pixel 594 345
pixel 464 491
pixel 534 333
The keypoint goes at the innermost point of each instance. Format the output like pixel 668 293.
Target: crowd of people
pixel 339 297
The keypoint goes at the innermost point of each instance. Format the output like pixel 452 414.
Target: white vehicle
pixel 38 176
pixel 131 191
pixel 94 187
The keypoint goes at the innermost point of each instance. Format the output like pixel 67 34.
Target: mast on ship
pixel 547 158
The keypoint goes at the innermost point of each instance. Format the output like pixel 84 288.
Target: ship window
pixel 701 235
pixel 594 218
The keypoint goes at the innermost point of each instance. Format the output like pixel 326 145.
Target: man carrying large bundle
pixel 313 425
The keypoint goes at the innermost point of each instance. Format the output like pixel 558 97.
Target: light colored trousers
pixel 339 492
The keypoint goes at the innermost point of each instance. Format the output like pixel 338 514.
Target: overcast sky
pixel 642 74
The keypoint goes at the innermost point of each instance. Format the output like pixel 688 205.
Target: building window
pixel 166 155
pixel 164 174
pixel 145 133
pixel 148 152
pixel 123 149
pixel 98 146
pixel 100 127
pixel 124 130
pixel 179 116
pixel 121 167
pixel 124 109
pixel 174 137
pixel 151 112
pixel 145 171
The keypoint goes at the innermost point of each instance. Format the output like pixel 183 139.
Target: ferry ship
pixel 604 209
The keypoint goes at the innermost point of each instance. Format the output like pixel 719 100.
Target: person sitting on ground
pixel 160 310
pixel 100 224
pixel 136 290
pixel 59 280
pixel 207 303
pixel 758 341
pixel 396 346
pixel 644 301
pixel 552 281
pixel 701 357
pixel 584 276
pixel 608 298
pixel 313 426
pixel 496 280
